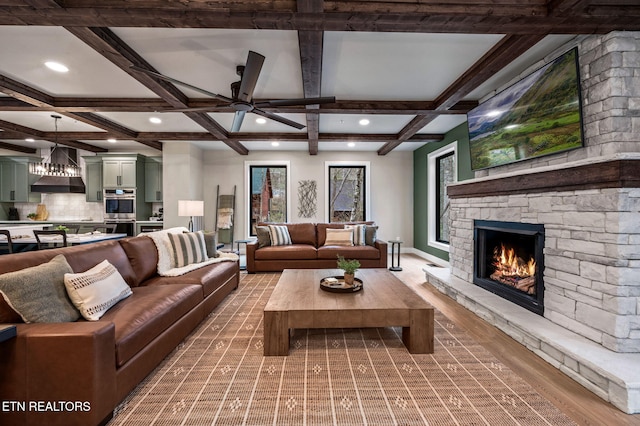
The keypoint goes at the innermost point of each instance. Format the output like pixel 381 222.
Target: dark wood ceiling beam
pixel 67 104
pixel 105 42
pixel 17 129
pixel 24 93
pixel 446 17
pixel 311 49
pixel 17 148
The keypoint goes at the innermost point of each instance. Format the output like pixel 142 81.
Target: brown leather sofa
pixel 308 250
pixel 94 365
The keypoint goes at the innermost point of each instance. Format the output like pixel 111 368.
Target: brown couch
pixel 96 364
pixel 308 251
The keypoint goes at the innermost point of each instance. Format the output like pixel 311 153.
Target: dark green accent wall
pixel 420 195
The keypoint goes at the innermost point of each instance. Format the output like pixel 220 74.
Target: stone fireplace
pixel 509 261
pixel 587 202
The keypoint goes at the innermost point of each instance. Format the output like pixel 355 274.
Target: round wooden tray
pixel 336 285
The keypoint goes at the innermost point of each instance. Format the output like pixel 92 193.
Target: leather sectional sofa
pixel 308 250
pixel 76 373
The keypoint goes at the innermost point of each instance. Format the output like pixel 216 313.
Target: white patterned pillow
pixel 187 248
pixel 358 234
pixel 95 291
pixel 279 235
pixel 339 237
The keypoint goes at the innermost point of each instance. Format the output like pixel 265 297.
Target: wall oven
pixel 120 209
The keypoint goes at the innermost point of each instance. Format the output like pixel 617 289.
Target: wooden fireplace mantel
pixel 609 174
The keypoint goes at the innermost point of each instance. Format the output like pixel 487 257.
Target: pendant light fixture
pixel 58 163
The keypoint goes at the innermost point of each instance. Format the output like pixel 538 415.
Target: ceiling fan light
pixel 56 66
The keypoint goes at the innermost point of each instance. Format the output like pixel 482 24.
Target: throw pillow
pixel 187 248
pixel 339 237
pixel 95 291
pixel 371 235
pixel 279 235
pixel 38 294
pixel 358 234
pixel 264 237
pixel 211 243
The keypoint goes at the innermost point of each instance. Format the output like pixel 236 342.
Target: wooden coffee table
pixel 298 302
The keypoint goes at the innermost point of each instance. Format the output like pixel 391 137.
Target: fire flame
pixel 508 264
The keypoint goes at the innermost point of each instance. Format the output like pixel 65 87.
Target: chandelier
pixel 64 166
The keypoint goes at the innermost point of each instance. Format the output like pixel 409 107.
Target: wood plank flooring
pixel 583 406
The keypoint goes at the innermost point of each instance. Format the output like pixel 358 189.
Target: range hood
pixel 60 184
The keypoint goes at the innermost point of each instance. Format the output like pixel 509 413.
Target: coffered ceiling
pixel 411 68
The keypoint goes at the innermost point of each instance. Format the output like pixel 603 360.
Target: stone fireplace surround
pixel 589 202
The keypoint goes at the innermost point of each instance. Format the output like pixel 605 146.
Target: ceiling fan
pixel 241 100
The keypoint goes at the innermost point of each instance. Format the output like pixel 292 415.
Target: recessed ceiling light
pixel 112 140
pixel 155 120
pixel 261 120
pixel 56 66
pixel 364 122
pixel 275 143
pixel 351 144
pixel 30 140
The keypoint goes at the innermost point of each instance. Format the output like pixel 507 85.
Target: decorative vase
pixel 348 279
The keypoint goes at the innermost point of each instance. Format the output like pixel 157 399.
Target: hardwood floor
pixel 583 406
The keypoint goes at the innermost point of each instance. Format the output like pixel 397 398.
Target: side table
pixel 395 261
pixel 238 242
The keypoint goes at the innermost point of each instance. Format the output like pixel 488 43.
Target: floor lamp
pixel 190 208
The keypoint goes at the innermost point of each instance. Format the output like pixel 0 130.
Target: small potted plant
pixel 349 266
pixel 31 216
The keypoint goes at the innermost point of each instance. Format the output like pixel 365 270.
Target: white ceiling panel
pixel 350 123
pixel 207 58
pixel 42 121
pixel 139 121
pixel 24 50
pixel 387 66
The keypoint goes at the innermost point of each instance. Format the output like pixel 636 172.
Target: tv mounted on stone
pixel 539 115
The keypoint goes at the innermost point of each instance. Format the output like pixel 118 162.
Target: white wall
pixel 391 186
pixel 182 179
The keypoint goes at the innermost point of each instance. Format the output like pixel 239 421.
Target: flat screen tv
pixel 539 115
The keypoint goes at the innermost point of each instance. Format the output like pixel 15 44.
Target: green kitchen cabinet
pixel 15 180
pixel 119 173
pixel 93 178
pixel 153 180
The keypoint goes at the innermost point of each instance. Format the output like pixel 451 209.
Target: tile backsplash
pixel 64 207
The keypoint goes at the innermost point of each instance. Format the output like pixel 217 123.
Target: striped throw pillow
pixel 279 235
pixel 187 248
pixel 358 234
pixel 339 237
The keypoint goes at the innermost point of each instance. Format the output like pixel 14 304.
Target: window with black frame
pixel 267 195
pixel 347 193
pixel 445 174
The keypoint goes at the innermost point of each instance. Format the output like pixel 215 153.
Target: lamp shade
pixel 190 208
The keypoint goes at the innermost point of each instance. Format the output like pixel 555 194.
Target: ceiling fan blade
pixel 278 118
pixel 250 76
pixel 296 102
pixel 182 83
pixel 237 121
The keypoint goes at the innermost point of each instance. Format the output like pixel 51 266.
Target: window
pixel 441 172
pixel 347 191
pixel 268 189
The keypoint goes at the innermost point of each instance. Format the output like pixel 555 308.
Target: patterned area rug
pixel 344 376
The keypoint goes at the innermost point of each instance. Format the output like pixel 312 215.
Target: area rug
pixel 218 376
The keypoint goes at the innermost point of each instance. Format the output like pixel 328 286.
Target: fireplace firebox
pixel 509 261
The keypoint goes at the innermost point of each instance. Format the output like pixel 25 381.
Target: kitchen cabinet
pixel 153 180
pixel 119 173
pixel 93 178
pixel 15 180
